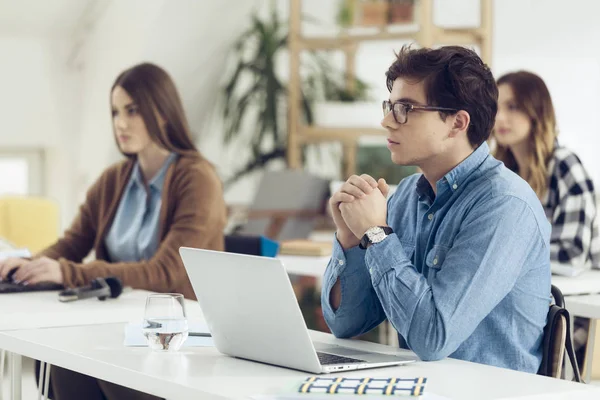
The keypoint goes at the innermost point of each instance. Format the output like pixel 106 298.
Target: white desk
pixel 43 310
pixel 305 265
pixel 579 303
pixel 203 373
pixel 588 282
pixel 587 306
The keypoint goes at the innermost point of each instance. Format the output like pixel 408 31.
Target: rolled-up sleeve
pixel 359 310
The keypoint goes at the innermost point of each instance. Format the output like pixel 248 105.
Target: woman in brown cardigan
pixel 164 195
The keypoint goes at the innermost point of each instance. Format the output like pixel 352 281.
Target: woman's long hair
pixel 532 98
pixel 153 90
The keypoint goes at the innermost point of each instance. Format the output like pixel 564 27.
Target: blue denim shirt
pixel 465 274
pixel 133 235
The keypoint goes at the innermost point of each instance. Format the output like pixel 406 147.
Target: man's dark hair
pixel 453 77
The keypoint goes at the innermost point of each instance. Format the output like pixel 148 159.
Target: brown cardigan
pixel 193 214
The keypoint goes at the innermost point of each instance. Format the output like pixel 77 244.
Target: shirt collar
pixel 456 176
pixel 459 174
pixel 158 180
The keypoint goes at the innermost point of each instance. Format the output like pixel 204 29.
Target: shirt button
pixel 430 216
pixel 455 186
pixel 341 262
pixel 435 261
pixel 371 271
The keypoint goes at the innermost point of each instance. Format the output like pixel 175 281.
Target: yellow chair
pixel 28 221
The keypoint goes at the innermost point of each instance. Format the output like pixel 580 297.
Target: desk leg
pixel 2 359
pixel 15 376
pixel 46 382
pixel 41 378
pixel 589 351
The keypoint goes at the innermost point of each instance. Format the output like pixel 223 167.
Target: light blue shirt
pixel 465 274
pixel 133 235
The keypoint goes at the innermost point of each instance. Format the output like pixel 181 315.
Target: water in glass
pixel 165 324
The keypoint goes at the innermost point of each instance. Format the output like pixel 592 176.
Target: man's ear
pixel 460 124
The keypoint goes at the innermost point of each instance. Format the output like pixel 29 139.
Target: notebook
pixel 364 386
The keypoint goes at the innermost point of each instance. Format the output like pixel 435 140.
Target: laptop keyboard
pixel 328 359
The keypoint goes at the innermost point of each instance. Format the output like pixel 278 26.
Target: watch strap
pixel 365 241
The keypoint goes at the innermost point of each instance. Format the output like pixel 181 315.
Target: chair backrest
pixel 28 221
pixel 557 339
pixel 287 205
pixel 252 245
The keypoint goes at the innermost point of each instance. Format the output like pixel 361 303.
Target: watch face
pixel 376 234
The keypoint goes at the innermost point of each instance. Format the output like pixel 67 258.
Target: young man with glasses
pixel 457 259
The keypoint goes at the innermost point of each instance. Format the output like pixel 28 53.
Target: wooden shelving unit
pixel 426 34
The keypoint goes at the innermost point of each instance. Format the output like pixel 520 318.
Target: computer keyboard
pixel 10 287
pixel 328 359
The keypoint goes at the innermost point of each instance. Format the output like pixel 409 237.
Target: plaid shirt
pixel 570 205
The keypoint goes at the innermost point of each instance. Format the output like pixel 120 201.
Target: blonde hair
pixel 532 98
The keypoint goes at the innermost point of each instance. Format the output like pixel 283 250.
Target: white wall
pixel 553 38
pixel 28 104
pixel 189 38
pixel 559 41
pixel 53 100
pixel 37 108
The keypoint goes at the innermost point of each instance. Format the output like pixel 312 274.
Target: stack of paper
pixel 134 337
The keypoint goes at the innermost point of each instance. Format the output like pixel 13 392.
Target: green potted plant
pixel 345 14
pixel 255 96
pixel 334 104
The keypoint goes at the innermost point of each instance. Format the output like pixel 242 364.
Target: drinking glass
pixel 165 324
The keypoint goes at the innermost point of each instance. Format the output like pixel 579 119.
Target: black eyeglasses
pixel 400 110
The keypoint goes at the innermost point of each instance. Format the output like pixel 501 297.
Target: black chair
pixel 557 340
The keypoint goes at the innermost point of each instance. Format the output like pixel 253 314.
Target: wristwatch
pixel 374 235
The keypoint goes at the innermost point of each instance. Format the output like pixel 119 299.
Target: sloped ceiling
pixel 43 18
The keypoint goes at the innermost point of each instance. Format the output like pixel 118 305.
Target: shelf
pixel 458 36
pixel 316 134
pixel 334 42
pixel 422 31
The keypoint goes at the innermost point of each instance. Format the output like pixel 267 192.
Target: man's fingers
pixel 341 197
pixel 360 183
pixel 370 180
pixel 383 187
pixel 353 190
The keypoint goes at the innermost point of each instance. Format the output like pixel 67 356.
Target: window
pixel 21 172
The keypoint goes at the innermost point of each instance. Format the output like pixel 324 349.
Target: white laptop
pixel 252 313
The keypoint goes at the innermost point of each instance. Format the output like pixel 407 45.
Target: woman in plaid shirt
pixel 525 134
